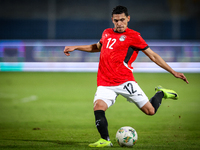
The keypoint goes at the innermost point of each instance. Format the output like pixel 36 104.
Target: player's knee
pixel 100 105
pixel 151 112
pixel 148 109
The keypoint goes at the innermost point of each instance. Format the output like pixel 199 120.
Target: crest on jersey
pixel 122 38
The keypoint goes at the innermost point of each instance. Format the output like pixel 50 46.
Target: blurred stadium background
pixel 33 33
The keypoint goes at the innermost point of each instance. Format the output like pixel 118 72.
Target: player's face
pixel 120 22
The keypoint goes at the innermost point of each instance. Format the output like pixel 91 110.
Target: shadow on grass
pixel 58 142
pixel 17 144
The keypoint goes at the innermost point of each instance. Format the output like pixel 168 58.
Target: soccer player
pixel 119 47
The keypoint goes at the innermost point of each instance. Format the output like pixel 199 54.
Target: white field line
pixel 22 100
pixel 29 99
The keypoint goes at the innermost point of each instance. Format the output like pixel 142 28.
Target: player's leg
pixel 101 122
pixel 151 107
pixel 156 100
pixel 104 98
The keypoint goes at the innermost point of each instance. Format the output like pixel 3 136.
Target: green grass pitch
pixel 54 111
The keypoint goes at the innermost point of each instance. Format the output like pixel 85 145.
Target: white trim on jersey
pixel 126 65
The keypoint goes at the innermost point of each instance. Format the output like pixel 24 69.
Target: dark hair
pixel 120 10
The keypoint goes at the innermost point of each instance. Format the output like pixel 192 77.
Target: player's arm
pixel 160 62
pixel 85 48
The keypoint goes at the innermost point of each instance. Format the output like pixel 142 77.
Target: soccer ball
pixel 126 136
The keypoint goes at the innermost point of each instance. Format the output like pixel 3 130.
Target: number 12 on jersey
pixel 110 43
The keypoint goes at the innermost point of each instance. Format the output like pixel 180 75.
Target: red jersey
pixel 118 52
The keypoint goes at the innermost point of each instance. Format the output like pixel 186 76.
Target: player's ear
pixel 129 18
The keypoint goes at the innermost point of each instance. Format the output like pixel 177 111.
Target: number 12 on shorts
pixel 129 88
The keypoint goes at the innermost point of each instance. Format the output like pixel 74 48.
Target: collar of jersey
pixel 119 32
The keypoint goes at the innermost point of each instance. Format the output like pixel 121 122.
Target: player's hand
pixel 181 76
pixel 69 49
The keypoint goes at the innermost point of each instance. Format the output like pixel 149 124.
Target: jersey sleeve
pixel 139 43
